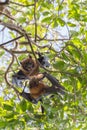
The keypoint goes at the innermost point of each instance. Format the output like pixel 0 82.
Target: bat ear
pixel 30 56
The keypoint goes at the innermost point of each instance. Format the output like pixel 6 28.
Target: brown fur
pixel 37 88
pixel 29 66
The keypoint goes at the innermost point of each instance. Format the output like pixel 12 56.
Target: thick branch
pixel 13 27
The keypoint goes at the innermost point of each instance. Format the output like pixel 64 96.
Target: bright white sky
pixel 4 35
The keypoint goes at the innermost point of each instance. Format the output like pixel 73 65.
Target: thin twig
pixel 35 19
pixel 21 4
pixel 20 52
pixel 12 26
pixel 59 39
pixel 13 8
pixel 11 41
pixel 21 31
pixel 6 73
pixel 59 7
pixel 29 41
pixel 70 45
pixel 7 15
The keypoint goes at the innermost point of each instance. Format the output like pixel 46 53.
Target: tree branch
pixel 11 41
pixel 35 1
pixel 21 4
pixel 7 15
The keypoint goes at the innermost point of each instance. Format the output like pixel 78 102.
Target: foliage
pixel 56 28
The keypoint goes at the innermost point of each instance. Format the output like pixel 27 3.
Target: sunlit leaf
pixel 47 23
pixel 61 21
pixel 71 24
pixel 47 19
pixel 1 53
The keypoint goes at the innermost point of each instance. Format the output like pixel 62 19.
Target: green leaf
pixel 55 23
pixel 47 19
pixel 21 19
pixel 2 124
pixel 8 107
pixel 23 105
pixel 10 115
pixel 13 121
pixel 46 13
pixel 65 57
pixel 52 16
pixel 30 107
pixel 61 22
pixel 71 24
pixel 21 57
pixel 84 57
pixel 76 54
pixel 61 65
pixel 2 53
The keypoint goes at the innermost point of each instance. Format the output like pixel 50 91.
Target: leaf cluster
pixel 58 30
